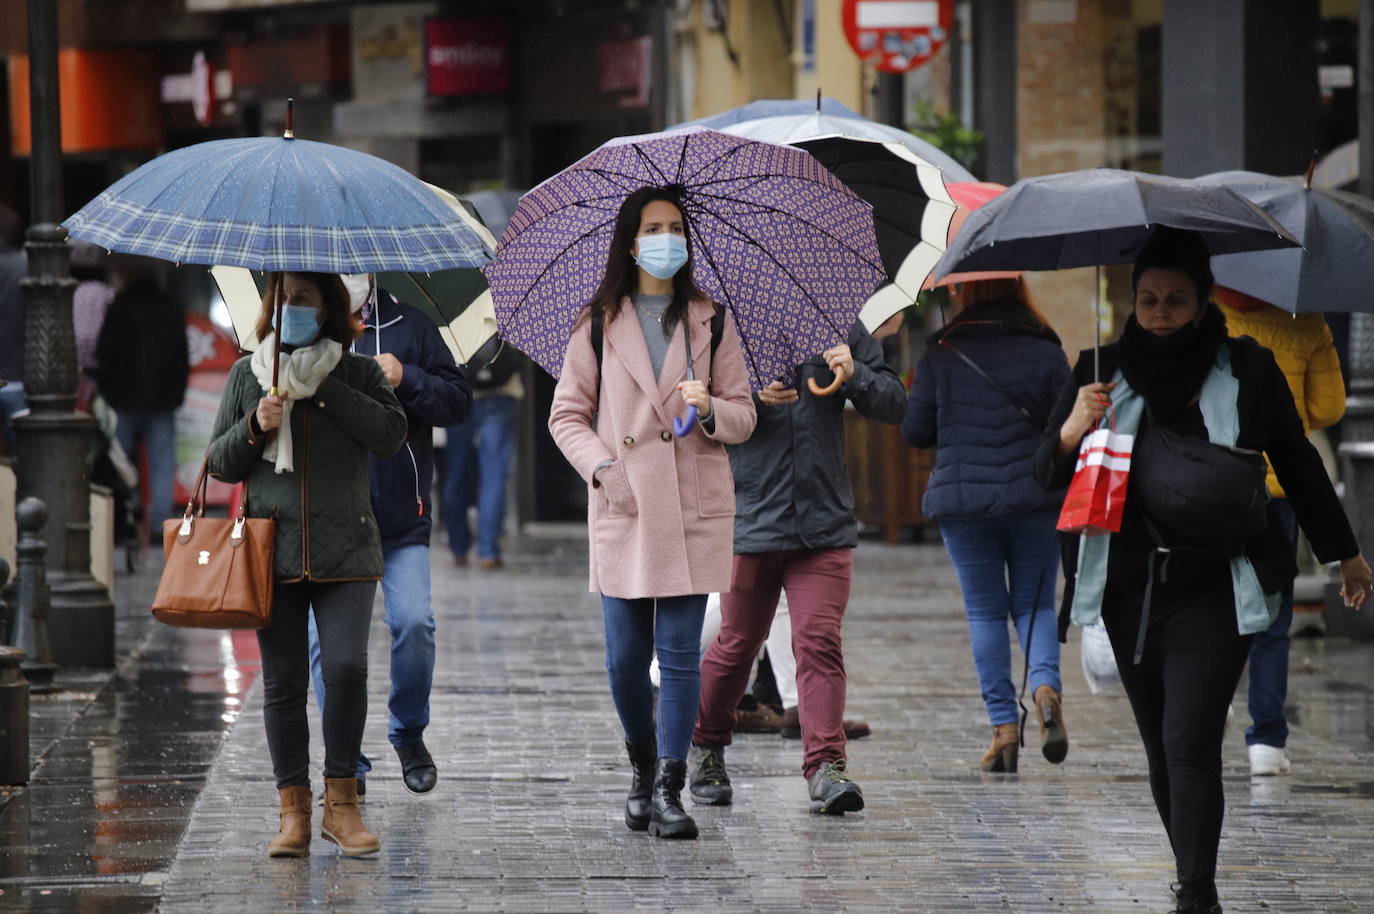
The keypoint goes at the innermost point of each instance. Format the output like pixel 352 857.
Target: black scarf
pixel 1168 371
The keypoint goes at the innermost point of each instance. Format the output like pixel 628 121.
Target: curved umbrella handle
pixel 820 391
pixel 682 426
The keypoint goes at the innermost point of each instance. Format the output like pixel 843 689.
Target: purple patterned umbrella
pixel 776 238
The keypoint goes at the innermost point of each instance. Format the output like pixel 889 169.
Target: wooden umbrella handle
pixel 820 391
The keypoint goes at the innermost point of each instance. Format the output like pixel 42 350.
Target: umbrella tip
pixel 289 133
pixel 1311 167
pixel 818 100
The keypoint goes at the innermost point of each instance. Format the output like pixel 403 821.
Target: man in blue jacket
pixel 412 355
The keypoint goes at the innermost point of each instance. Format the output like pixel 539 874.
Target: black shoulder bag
pixel 1025 409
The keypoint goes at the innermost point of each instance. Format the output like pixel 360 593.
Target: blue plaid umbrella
pixel 279 203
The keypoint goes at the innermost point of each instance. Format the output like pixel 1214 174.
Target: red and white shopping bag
pixel 1096 498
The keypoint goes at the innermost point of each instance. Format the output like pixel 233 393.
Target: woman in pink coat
pixel 660 508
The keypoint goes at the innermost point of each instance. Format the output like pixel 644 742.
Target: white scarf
pixel 300 376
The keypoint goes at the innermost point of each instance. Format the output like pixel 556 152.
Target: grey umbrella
pixel 1332 271
pixel 1103 216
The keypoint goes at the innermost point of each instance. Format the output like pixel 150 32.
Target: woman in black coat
pixel 1199 615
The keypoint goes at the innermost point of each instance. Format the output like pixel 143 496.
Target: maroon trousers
pixel 817 585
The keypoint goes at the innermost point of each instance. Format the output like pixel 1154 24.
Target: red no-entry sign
pixel 897 35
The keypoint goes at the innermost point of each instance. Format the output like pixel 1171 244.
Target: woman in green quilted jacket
pixel 303 455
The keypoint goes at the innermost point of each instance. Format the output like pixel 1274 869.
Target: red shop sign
pixel 467 56
pixel 897 35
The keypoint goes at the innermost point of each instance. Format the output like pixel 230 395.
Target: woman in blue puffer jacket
pixel 981 396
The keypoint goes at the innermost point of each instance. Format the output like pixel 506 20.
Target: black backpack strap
pixel 598 345
pixel 1027 411
pixel 717 331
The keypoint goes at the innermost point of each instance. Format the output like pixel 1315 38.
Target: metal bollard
pixel 31 611
pixel 7 620
pixel 14 718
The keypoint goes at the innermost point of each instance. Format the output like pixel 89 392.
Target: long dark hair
pixel 339 323
pixel 622 275
pixel 1006 292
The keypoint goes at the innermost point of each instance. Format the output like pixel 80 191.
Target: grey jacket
pixel 792 490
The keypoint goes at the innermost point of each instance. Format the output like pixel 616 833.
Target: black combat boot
pixel 637 804
pixel 668 819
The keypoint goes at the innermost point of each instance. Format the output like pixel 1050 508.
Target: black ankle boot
pixel 1193 900
pixel 668 819
pixel 637 804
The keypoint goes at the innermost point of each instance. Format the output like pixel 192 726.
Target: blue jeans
pixel 1269 654
pixel 1007 566
pixel 156 429
pixel 410 616
pixel 635 630
pixel 479 451
pixel 12 404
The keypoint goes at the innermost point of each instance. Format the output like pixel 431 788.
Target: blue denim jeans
pixel 156 429
pixel 12 404
pixel 410 617
pixel 1269 654
pixel 1007 566
pixel 635 630
pixel 478 453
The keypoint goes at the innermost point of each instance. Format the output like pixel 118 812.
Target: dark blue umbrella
pixel 1330 273
pixel 279 203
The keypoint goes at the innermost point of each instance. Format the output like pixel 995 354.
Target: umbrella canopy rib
pixel 764 207
pixel 598 230
pixel 650 163
pixel 744 347
pixel 786 270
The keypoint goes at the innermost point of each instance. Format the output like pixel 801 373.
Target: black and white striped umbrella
pixel 911 212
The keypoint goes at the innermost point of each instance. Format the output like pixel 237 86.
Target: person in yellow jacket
pixel 1303 347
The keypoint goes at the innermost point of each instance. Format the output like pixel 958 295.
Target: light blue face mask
pixel 662 255
pixel 300 326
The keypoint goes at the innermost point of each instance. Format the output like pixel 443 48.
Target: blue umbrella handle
pixel 682 426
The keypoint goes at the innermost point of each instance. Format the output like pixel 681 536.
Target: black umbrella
pixel 911 212
pixel 1103 216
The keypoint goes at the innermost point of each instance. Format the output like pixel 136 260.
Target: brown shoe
pixel 293 840
pixel 761 719
pixel 791 726
pixel 490 564
pixel 1002 754
pixel 460 561
pixel 343 822
pixel 1054 738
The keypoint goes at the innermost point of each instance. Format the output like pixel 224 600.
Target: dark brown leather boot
pixel 1054 738
pixel 293 840
pixel 1002 754
pixel 343 821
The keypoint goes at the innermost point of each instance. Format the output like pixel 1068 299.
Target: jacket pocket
pixel 620 498
pixel 715 487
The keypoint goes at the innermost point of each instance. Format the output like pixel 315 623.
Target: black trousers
pixel 343 616
pixel 1180 693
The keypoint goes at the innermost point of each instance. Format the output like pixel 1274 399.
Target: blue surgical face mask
pixel 662 255
pixel 300 326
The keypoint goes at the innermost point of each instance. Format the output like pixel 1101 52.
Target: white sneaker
pixel 1268 760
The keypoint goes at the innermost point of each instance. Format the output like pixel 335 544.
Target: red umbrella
pixel 970 195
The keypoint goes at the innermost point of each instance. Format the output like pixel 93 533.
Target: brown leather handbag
pixel 219 570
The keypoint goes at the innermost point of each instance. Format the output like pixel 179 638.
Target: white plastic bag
pixel 1099 663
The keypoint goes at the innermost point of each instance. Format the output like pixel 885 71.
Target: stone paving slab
pixel 527 815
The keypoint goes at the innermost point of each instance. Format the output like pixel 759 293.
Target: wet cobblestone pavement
pixel 527 814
